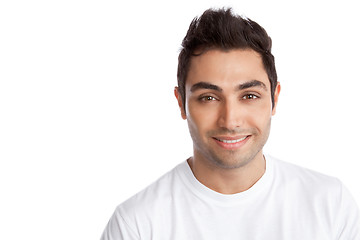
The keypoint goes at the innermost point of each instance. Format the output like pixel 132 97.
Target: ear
pixel 180 102
pixel 276 97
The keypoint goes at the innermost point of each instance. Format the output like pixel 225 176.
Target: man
pixel 228 92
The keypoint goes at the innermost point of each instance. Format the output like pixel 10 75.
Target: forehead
pixel 227 68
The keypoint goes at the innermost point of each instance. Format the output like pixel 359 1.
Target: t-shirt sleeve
pixel 349 217
pixel 118 229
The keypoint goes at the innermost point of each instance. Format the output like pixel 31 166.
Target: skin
pixel 228 98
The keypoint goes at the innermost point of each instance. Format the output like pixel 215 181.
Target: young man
pixel 228 92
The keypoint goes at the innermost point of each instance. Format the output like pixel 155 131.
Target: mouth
pixel 231 143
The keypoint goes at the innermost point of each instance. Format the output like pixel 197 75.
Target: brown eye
pixel 207 98
pixel 249 96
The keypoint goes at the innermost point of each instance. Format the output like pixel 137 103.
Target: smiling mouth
pixel 231 141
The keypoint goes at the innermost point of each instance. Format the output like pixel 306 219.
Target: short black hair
pixel 224 30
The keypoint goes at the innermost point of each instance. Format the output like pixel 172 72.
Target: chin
pixel 236 159
pixel 231 162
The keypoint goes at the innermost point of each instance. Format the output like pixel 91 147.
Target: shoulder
pixel 293 173
pixel 320 196
pixel 153 198
pixel 137 214
pixel 306 183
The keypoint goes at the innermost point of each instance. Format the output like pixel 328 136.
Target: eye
pixel 207 98
pixel 250 96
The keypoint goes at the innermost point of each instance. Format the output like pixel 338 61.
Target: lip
pixel 232 142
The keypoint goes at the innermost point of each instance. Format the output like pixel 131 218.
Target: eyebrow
pixel 252 83
pixel 206 85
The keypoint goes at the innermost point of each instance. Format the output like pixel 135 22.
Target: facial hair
pixel 230 159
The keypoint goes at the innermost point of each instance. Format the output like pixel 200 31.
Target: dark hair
pixel 222 29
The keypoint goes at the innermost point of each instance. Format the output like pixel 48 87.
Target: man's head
pixel 223 30
pixel 228 88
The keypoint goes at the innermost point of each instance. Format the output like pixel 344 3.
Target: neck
pixel 228 181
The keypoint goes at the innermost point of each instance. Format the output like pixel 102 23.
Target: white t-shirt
pixel 288 202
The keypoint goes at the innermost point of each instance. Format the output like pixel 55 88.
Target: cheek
pixel 260 116
pixel 201 118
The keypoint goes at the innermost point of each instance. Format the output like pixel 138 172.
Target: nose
pixel 230 115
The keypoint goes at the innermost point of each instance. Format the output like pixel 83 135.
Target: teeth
pixel 232 141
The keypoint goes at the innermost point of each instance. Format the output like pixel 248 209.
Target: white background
pixel 88 117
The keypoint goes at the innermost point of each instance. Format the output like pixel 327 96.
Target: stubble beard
pixel 231 159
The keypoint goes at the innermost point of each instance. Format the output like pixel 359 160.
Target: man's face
pixel 228 107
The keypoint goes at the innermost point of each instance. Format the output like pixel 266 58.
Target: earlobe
pixel 180 102
pixel 276 97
